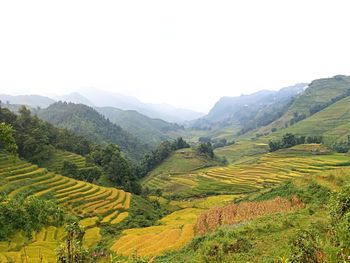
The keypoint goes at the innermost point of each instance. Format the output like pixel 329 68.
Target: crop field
pixel 81 198
pixel 55 163
pixel 241 151
pixel 261 172
pixel 41 249
pixel 93 203
pixel 44 243
pixel 174 231
pixel 183 160
pixel 244 211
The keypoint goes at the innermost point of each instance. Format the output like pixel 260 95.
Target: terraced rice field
pixel 176 230
pixel 56 162
pixel 275 168
pixel 81 198
pixel 41 249
pixel 267 170
pixel 44 243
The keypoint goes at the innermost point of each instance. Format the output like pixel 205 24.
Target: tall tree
pixel 7 141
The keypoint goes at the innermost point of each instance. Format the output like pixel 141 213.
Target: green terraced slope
pixel 333 123
pixel 81 198
pixel 319 93
pixel 267 170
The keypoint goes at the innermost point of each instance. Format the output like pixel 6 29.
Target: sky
pixel 185 53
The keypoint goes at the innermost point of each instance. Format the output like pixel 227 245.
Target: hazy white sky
pixel 185 53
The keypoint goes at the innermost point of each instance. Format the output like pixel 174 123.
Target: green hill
pixel 148 130
pixel 319 95
pixel 333 123
pixel 87 122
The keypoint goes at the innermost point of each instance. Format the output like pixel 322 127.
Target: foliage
pixel 87 122
pixel 289 140
pixel 28 215
pixel 206 149
pixel 72 251
pixel 304 248
pixel 157 156
pixel 148 130
pixel 89 174
pixel 36 138
pixel 115 166
pixel 7 141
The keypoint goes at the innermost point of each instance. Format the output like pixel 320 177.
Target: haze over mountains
pixel 264 111
pixel 98 98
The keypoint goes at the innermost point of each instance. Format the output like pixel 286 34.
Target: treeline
pixel 343 146
pixel 117 169
pixel 89 174
pixel 155 157
pixel 289 140
pixel 36 139
pixel 216 143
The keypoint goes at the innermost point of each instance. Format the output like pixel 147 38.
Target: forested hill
pixel 150 131
pixel 87 122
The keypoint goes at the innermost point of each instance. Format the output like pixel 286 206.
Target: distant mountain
pixel 86 121
pixel 159 111
pixel 250 111
pixel 75 97
pixel 148 130
pixel 29 100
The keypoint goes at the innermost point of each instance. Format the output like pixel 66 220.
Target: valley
pixel 221 188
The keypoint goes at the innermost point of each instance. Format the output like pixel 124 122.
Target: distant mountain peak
pixel 75 97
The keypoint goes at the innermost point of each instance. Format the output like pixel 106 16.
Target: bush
pixel 304 248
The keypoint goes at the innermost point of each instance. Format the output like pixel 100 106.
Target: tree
pixel 117 169
pixel 70 169
pixel 7 141
pixel 72 251
pixel 206 149
pixel 180 144
pixel 289 140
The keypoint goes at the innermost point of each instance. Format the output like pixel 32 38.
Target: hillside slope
pixel 87 122
pixel 150 131
pixel 320 94
pixel 249 111
pixel 333 123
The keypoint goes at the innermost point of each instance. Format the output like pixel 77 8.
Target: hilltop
pixel 148 130
pixel 87 122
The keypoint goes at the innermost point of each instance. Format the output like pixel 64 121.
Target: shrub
pixel 304 248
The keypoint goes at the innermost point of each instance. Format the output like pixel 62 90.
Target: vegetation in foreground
pixel 317 232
